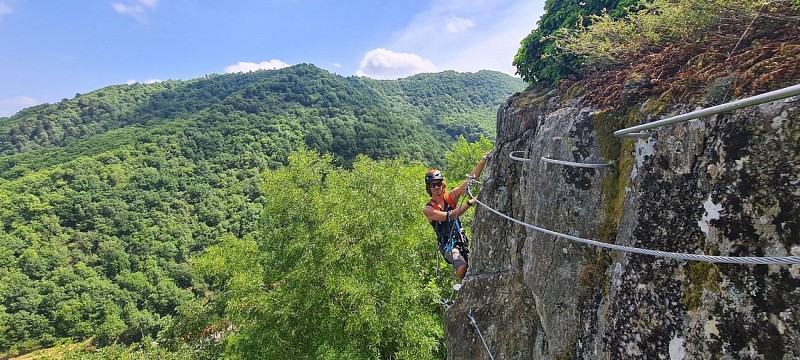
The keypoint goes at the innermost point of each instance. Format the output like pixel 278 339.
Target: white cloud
pixel 5 9
pixel 469 35
pixel 10 106
pixel 135 9
pixel 386 64
pixel 126 9
pixel 494 51
pixel 244 66
pixel 458 24
pixel 149 3
pixel 148 81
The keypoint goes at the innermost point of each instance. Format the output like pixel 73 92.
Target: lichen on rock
pixel 724 185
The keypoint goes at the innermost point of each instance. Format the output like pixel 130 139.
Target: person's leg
pixel 459 264
pixel 461 272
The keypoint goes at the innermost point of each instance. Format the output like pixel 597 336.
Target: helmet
pixel 433 175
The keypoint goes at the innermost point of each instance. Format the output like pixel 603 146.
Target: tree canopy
pixel 269 111
pixel 539 59
pixel 187 214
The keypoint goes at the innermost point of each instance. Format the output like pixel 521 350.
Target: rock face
pixel 724 185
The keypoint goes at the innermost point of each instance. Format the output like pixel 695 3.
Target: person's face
pixel 437 187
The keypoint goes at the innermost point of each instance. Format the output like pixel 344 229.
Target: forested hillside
pixel 182 216
pixel 415 118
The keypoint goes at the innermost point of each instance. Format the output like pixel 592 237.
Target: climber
pixel 443 212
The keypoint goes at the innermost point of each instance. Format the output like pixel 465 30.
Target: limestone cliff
pixel 724 185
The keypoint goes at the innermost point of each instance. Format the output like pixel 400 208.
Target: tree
pixel 538 59
pixel 463 156
pixel 339 270
pixel 127 184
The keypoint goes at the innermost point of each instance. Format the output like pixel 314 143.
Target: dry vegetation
pixel 741 51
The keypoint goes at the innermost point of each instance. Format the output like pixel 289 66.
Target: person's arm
pixel 437 215
pixel 476 173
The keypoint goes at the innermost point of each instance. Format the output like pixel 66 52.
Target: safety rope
pixel 452 225
pixel 475 324
pixel 658 253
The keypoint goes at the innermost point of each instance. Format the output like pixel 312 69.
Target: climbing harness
pixel 454 230
pixel 475 324
pixel 452 234
pixel 658 253
pixel 455 238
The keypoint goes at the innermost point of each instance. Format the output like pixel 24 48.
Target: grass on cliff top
pixel 677 49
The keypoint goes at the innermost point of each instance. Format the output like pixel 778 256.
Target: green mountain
pixel 267 113
pixel 138 212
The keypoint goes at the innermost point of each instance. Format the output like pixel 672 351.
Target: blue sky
pixel 50 50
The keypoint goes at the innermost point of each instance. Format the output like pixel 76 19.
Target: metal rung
pixel 729 106
pixel 577 164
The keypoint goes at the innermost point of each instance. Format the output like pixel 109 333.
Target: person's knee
pixel 458 263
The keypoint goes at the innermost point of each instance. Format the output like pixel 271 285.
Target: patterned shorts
pixel 454 257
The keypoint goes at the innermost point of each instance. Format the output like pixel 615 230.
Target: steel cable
pixel 658 253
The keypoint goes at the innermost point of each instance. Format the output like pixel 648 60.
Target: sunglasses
pixel 437 184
